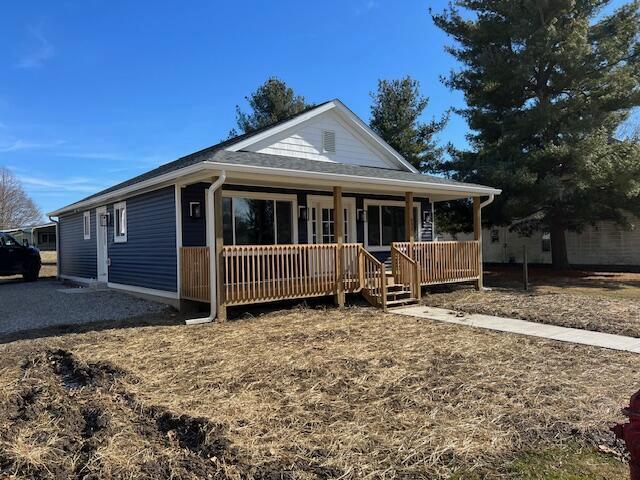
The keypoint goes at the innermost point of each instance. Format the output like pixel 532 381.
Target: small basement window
pixel 120 222
pixel 328 141
pixel 86 223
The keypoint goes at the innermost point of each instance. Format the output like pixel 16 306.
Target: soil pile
pixel 68 419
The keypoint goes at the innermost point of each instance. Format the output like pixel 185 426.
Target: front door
pixel 321 220
pixel 101 239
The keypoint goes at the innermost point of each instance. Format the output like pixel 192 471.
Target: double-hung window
pixel 257 220
pixel 386 224
pixel 86 225
pixel 120 222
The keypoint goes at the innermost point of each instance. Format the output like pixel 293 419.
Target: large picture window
pixel 257 221
pixel 385 224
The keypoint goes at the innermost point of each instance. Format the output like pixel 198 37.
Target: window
pixel 385 224
pixel 120 222
pixel 546 242
pixel 86 224
pixel 195 210
pixel 495 236
pixel 256 221
pixel 8 241
pixel 328 141
pixel 326 219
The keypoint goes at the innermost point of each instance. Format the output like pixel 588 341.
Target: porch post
pixel 338 226
pixel 477 235
pixel 221 307
pixel 409 221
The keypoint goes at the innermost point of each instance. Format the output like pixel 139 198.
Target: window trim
pixel 122 206
pixel 275 197
pixel 392 203
pixel 86 228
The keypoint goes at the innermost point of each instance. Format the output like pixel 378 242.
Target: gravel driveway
pixel 27 306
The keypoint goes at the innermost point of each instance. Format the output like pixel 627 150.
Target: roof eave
pixel 337 179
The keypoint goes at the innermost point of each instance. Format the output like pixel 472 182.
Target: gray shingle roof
pixel 317 166
pixel 219 154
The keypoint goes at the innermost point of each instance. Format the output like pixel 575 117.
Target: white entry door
pixel 101 239
pixel 321 220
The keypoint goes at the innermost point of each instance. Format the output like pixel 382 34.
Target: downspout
pixel 488 201
pixel 211 241
pixel 57 246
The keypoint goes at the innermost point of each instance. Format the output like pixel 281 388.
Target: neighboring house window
pixel 328 141
pixel 495 236
pixel 385 224
pixel 120 222
pixel 86 222
pixel 546 242
pixel 257 221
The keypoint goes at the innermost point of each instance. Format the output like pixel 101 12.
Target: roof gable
pixel 301 137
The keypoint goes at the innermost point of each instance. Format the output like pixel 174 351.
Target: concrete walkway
pixel 522 327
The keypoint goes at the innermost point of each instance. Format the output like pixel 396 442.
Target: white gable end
pixel 308 140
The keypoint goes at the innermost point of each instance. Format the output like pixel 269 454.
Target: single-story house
pixel 604 244
pixel 42 236
pixel 252 219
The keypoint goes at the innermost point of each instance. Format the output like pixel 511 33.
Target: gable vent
pixel 329 141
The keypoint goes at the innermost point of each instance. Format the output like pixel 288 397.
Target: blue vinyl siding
pixel 77 255
pixel 194 229
pixel 148 257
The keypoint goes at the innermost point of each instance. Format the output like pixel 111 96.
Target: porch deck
pixel 266 273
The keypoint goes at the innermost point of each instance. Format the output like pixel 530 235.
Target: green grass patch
pixel 570 463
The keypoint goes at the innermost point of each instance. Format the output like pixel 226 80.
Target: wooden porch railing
pixel 405 272
pixel 444 262
pixel 373 279
pixel 262 273
pixel 194 275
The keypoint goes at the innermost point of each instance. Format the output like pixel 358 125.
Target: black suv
pixel 16 259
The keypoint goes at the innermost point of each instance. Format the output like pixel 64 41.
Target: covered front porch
pixel 383 249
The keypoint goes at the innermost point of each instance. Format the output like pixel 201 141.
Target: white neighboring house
pixel 605 244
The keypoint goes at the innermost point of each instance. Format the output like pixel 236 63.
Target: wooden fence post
pixel 525 268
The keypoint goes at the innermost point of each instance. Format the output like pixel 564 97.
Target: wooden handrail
pixel 373 279
pixel 444 262
pixel 405 271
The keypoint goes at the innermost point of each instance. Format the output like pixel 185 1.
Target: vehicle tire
pixel 31 274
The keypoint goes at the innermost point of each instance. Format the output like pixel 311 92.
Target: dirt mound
pixel 69 419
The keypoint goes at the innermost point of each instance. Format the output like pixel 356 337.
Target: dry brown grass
pixel 544 305
pixel 316 394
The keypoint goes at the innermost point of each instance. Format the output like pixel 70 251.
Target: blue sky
pixel 93 92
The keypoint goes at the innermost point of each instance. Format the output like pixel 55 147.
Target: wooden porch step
pixel 401 303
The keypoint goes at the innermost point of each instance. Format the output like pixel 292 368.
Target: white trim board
pixel 203 170
pixel 144 290
pixel 82 280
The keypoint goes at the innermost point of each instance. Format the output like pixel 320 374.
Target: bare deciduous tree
pixel 16 207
